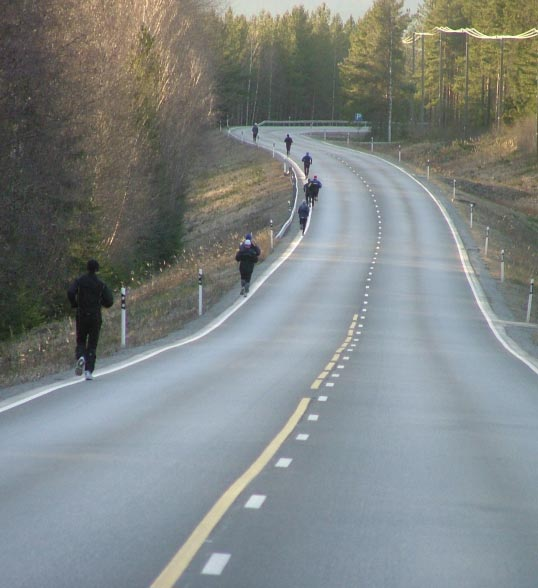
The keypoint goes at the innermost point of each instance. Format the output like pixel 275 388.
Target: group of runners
pixel 249 252
pixel 88 294
pixel 311 187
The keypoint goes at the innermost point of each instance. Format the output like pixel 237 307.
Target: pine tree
pixel 373 72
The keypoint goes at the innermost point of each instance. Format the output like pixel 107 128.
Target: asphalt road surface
pixel 355 422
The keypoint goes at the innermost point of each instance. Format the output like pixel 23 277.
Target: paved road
pixel 411 463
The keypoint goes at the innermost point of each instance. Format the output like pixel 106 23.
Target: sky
pixel 346 8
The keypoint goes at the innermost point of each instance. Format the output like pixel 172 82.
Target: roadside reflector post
pixel 272 234
pixel 372 144
pixel 453 189
pixel 273 150
pixel 123 317
pixel 471 215
pixel 200 291
pixel 399 153
pixel 487 242
pixel 428 170
pixel 347 139
pixel 502 265
pixel 529 305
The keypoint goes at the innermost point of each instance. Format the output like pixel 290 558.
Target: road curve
pixel 410 460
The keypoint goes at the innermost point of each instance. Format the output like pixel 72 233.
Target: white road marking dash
pixel 216 564
pixel 255 501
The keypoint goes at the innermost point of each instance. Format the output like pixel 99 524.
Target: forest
pixel 105 105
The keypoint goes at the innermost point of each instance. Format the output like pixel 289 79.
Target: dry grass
pixel 242 191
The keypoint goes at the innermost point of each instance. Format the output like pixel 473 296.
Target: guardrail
pixel 361 126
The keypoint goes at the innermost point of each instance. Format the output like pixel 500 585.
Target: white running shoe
pixel 88 375
pixel 79 366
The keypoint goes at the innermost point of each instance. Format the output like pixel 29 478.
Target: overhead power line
pixel 478 35
pixel 472 32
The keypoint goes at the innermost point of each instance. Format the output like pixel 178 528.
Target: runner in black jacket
pixel 88 294
pixel 247 256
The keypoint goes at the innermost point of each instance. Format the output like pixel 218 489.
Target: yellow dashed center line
pixel 330 366
pixel 174 570
pixel 179 563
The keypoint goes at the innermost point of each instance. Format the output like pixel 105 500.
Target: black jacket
pixel 88 294
pixel 312 187
pixel 246 257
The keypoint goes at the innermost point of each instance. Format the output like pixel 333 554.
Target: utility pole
pixel 422 83
pixel 440 98
pixel 500 88
pixel 537 116
pixel 389 138
pixel 466 107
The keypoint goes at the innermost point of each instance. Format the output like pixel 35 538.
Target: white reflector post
pixel 200 291
pixel 123 317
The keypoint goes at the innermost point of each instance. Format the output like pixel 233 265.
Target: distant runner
pixel 303 211
pixel 288 140
pixel 307 162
